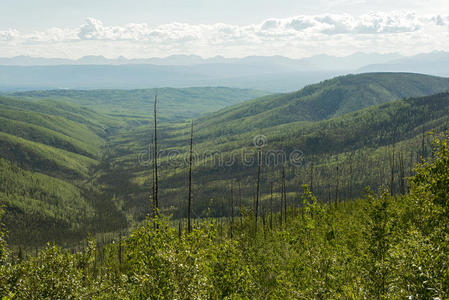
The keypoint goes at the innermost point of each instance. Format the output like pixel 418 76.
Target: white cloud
pixel 9 35
pixel 336 34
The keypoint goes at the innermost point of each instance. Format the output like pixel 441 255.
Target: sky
pixel 230 28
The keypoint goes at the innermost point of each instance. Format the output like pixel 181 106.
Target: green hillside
pixel 59 124
pixel 43 158
pixel 49 152
pixel 94 121
pixel 325 100
pixel 46 136
pixel 39 206
pixel 359 143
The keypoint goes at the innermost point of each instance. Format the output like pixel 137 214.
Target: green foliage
pixel 431 182
pixel 377 234
pixel 376 248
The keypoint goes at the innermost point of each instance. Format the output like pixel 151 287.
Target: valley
pixel 347 133
pixel 322 184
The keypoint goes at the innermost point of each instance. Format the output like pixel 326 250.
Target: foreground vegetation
pixel 379 246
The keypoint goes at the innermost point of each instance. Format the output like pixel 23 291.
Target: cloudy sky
pixel 231 28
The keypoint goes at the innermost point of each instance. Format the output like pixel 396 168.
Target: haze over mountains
pixel 269 73
pixel 435 63
pixel 317 62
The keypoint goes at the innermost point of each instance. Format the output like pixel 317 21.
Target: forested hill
pixel 175 103
pixel 49 151
pixel 325 100
pixel 376 146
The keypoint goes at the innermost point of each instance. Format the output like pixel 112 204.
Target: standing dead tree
pixel 155 175
pixel 392 170
pixel 337 177
pixel 284 195
pixel 271 206
pixel 259 163
pixel 189 206
pixel 232 208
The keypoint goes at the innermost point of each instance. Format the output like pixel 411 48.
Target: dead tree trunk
pixel 271 206
pixel 189 209
pixel 232 208
pixel 156 187
pixel 337 183
pixel 284 195
pixel 392 167
pixel 401 174
pixel 311 176
pixel 259 162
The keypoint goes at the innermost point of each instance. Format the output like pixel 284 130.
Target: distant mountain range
pixel 435 63
pixel 269 73
pixel 318 62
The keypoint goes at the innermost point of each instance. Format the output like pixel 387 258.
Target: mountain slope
pixel 325 100
pixel 345 153
pixel 49 151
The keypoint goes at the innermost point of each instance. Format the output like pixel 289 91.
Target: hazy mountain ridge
pixel 269 73
pixel 435 63
pixel 317 62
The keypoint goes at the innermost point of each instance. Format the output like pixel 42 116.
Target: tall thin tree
pixel 259 163
pixel 189 209
pixel 271 206
pixel 351 178
pixel 156 187
pixel 392 170
pixel 284 195
pixel 311 175
pixel 232 208
pixel 402 187
pixel 240 203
